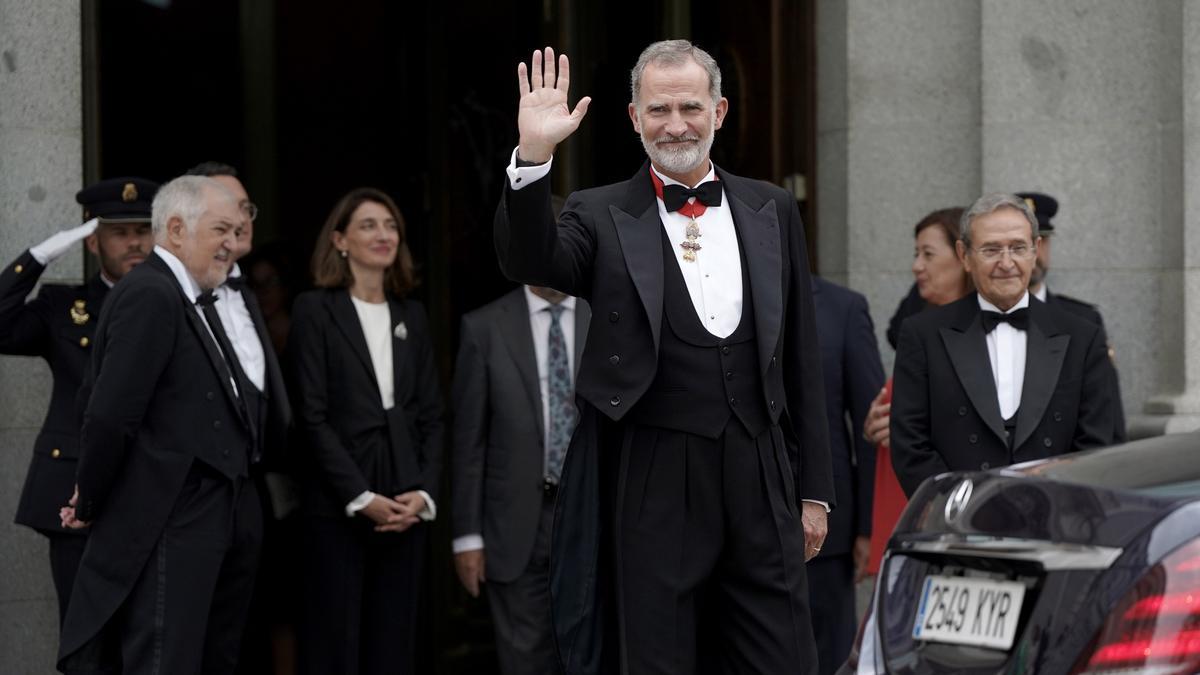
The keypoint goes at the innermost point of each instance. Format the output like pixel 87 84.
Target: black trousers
pixel 831 591
pixel 66 550
pixel 709 552
pixel 187 611
pixel 361 590
pixel 521 609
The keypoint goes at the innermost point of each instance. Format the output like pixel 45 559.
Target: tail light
pixel 1155 628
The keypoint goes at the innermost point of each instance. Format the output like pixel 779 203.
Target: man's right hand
pixel 469 565
pixel 62 242
pixel 543 118
pixel 877 428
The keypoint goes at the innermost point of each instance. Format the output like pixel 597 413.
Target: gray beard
pixel 682 158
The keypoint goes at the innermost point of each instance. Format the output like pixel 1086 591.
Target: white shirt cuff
pixel 467 542
pixel 360 502
pixel 519 177
pixel 818 501
pixel 430 511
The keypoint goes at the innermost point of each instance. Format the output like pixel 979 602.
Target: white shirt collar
pixel 190 288
pixel 537 303
pixel 1021 304
pixel 234 272
pixel 667 180
pixel 1041 292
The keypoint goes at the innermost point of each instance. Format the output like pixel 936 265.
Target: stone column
pixel 1175 405
pixel 1081 100
pixel 897 135
pixel 40 171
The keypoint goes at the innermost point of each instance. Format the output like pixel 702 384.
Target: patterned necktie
pixel 561 408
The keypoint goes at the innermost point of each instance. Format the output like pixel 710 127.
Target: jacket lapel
pixel 583 317
pixel 640 231
pixel 346 319
pixel 518 339
pixel 399 344
pixel 967 346
pixel 758 231
pixel 1045 351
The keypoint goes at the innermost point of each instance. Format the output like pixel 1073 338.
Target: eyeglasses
pixel 1016 252
pixel 250 209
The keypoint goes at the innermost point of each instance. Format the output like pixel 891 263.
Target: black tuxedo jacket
pixel 499 432
pixel 1089 312
pixel 352 443
pixel 160 400
pixel 945 412
pixel 853 373
pixel 58 325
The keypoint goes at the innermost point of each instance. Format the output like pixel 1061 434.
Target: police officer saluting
pixel 58 325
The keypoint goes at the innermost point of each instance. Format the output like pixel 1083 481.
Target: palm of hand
pixel 543 114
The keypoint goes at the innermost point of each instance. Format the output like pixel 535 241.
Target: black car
pixel 1085 563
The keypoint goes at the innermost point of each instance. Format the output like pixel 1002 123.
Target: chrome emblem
pixel 958 499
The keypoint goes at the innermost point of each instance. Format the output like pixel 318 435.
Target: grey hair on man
pixel 675 53
pixel 183 197
pixel 991 203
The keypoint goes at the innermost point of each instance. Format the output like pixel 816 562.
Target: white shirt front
pixel 192 291
pixel 235 317
pixel 376 320
pixel 1006 353
pixel 539 323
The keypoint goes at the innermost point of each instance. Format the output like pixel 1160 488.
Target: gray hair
pixel 991 203
pixel 182 197
pixel 675 53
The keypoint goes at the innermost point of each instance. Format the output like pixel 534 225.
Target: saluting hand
pixel 543 118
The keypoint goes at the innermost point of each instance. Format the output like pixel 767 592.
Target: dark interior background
pixel 309 100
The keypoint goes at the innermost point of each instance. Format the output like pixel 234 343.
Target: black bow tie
pixel 1018 319
pixel 675 196
pixel 237 283
pixel 206 298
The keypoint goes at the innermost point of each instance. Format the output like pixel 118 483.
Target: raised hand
pixel 543 118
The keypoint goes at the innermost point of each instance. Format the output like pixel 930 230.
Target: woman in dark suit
pixel 371 414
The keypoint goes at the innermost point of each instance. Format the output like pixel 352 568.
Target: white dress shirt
pixel 539 324
pixel 1041 292
pixel 235 317
pixel 192 290
pixel 1006 352
pixel 376 321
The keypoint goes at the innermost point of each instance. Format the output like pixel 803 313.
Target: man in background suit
pixel 512 422
pixel 168 438
pixel 997 377
pixel 853 372
pixel 59 325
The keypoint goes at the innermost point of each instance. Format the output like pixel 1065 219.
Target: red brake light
pixel 1156 626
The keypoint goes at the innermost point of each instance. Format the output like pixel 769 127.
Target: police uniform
pixel 58 325
pixel 1045 208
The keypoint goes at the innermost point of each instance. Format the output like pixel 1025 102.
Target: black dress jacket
pixel 58 325
pixel 161 399
pixel 945 410
pixel 351 443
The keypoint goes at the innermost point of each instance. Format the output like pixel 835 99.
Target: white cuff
pixel 519 177
pixel 818 501
pixel 467 542
pixel 360 502
pixel 430 511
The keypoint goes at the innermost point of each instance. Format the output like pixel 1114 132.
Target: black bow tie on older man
pixel 1018 319
pixel 707 193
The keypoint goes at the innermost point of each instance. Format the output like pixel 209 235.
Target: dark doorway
pixel 309 100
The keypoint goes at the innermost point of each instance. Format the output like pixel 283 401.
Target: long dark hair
pixel 331 270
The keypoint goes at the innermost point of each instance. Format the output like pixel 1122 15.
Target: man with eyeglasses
pixel 997 377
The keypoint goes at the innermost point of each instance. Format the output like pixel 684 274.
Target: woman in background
pixel 941 279
pixel 370 413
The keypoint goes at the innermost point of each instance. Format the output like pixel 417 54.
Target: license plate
pixel 960 610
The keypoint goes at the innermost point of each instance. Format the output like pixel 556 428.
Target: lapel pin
pixel 401 331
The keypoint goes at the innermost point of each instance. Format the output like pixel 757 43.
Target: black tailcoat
pixel 945 410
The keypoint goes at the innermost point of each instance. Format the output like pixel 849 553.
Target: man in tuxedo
pixel 997 377
pixel 59 325
pixel 853 372
pixel 514 411
pixel 169 434
pixel 1045 208
pixel 680 538
pixel 243 319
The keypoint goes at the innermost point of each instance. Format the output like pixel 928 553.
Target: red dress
pixel 889 499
